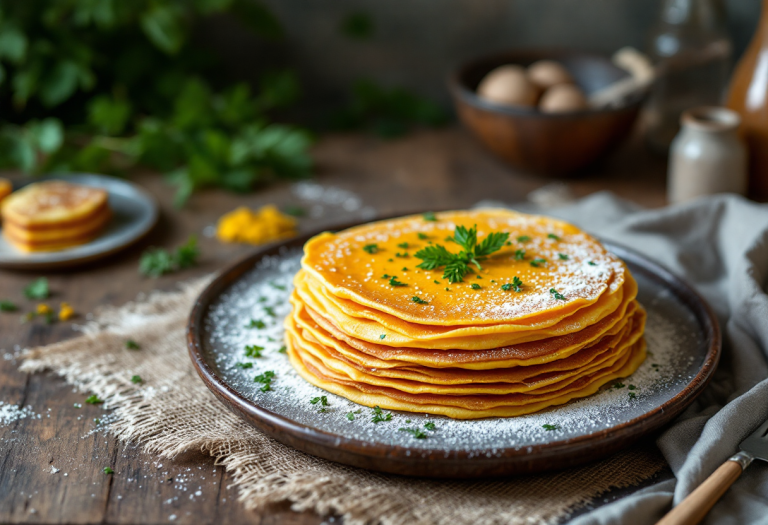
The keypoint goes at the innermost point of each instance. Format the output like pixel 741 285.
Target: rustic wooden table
pixel 436 169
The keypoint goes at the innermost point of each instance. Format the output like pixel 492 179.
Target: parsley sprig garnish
pixel 418 300
pixel 415 432
pixel 457 264
pixel 516 285
pixel 322 401
pixel 265 379
pixel 155 262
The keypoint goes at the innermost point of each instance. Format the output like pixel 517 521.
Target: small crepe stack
pixel 54 215
pixel 467 314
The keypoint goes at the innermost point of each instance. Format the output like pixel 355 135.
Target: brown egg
pixel 563 98
pixel 548 73
pixel 508 85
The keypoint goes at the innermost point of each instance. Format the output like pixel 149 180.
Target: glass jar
pixel 692 50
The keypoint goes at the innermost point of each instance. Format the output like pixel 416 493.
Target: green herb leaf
pixel 523 238
pixel 429 216
pixel 563 256
pixel 130 344
pixel 422 236
pixel 256 323
pixel 519 255
pixel 475 286
pixel 136 379
pixel 418 300
pixel 549 427
pixel 253 350
pixel 265 379
pixel 8 306
pixel 156 261
pixel 108 470
pixel 283 350
pixel 457 265
pixel 553 236
pixel 591 263
pixel 378 415
pixel 537 262
pixel 382 336
pixel 93 400
pixel 371 248
pixel 415 432
pixel 244 365
pixel 322 401
pixel 394 282
pixel 429 425
pixel 37 289
pixel 557 295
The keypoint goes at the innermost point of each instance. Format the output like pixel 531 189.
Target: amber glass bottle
pixel 748 95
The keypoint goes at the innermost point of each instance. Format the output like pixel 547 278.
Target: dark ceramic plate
pixel 683 342
pixel 134 213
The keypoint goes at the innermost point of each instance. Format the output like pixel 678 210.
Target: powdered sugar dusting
pixel 676 352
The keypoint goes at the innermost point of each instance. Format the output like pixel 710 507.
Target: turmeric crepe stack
pixel 467 314
pixel 54 215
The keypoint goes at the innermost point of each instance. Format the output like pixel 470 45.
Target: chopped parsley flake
pixel 108 470
pixel 403 255
pixel 436 282
pixel 385 276
pixel 244 365
pixel 253 350
pixel 37 289
pixel 93 400
pixel 130 344
pixel 7 306
pixel 394 282
pixel 415 432
pixel 519 255
pixel 549 427
pixel 538 261
pixel 418 300
pixel 256 323
pixel 553 236
pixel 96 421
pixel 351 415
pixel 475 286
pixel 516 285
pixel 557 295
pixel 563 256
pixel 283 350
pixel 371 248
pixel 403 245
pixel 277 286
pixel 523 238
pixel 136 379
pixel 382 336
pixel 405 269
pixel 592 263
pixel 632 395
pixel 322 401
pixel 270 311
pixel 378 415
pixel 430 426
pixel 265 379
pixel 423 236
pixel 619 385
pixel 632 387
pixel 429 216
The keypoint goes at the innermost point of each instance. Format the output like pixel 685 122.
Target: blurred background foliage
pixel 107 85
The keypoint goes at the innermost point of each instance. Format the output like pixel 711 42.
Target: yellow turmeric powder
pixel 264 225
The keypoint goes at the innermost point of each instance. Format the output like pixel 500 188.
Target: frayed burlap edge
pixel 172 412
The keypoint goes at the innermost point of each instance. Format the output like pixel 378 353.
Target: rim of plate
pixel 460 463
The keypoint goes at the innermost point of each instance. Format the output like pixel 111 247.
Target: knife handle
pixel 693 508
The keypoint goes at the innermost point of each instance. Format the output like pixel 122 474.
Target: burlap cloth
pixel 173 412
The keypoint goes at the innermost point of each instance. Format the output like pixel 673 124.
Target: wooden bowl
pixel 545 143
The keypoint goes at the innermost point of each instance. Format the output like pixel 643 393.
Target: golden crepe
pixel 5 188
pixel 467 314
pixel 54 215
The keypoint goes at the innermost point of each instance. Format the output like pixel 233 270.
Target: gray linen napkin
pixel 720 245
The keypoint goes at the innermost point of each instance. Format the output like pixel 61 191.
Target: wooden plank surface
pixel 436 169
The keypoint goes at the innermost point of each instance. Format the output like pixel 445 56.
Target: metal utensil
pixel 693 508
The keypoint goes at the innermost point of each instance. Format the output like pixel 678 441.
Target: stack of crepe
pixel 54 215
pixel 548 318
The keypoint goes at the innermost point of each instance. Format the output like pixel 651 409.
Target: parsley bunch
pixel 457 264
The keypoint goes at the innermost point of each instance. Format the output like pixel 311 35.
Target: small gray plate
pixel 134 213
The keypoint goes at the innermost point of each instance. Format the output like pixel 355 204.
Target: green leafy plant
pixel 107 85
pixel 388 113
